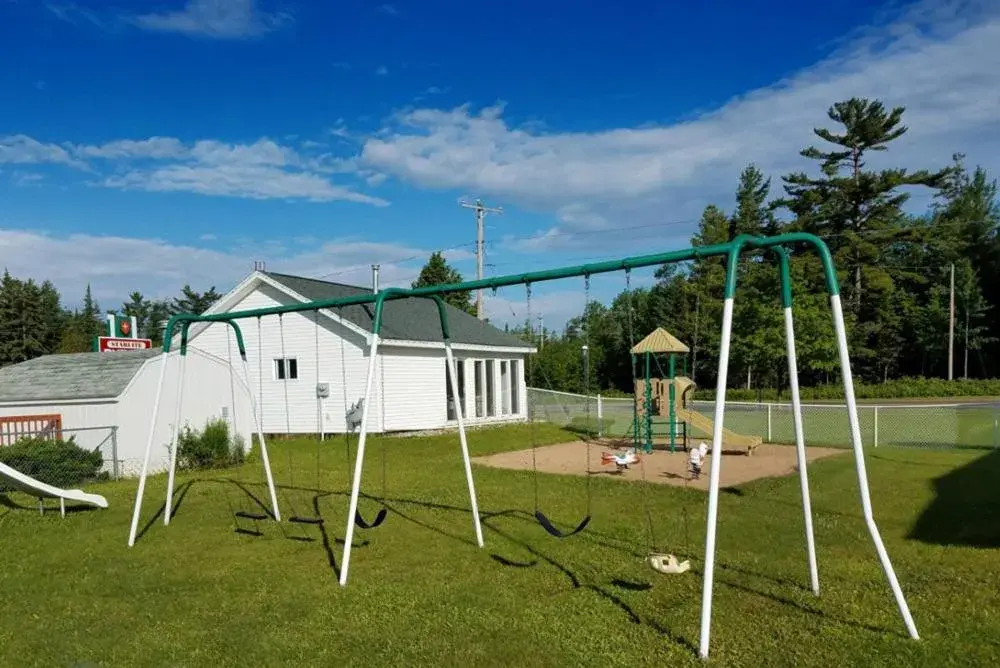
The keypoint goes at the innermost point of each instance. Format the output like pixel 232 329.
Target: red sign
pixel 106 343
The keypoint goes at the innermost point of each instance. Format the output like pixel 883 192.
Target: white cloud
pixel 937 59
pixel 73 13
pixel 27 179
pixel 20 149
pixel 115 266
pixel 250 181
pixel 219 19
pixel 157 148
pixel 263 169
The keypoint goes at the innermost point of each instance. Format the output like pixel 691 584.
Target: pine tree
pixel 707 280
pixel 437 271
pixel 752 215
pixel 9 318
pixel 195 302
pixel 83 326
pixel 860 209
pixel 859 212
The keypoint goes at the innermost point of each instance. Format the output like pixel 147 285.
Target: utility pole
pixel 481 211
pixel 951 326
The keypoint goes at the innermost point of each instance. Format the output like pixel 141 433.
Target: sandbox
pixel 662 467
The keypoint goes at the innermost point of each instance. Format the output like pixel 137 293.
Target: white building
pixel 290 355
pixel 105 401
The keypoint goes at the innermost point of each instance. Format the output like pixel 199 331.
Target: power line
pixel 404 260
pixel 481 211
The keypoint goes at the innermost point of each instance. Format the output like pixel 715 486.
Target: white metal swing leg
pixel 145 460
pixel 359 461
pixel 800 450
pixel 265 460
pixel 713 492
pixel 174 440
pixel 453 379
pixel 859 460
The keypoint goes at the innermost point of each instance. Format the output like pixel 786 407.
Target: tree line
pixel 34 321
pixel 894 269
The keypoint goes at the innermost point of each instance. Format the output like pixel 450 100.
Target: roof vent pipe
pixel 375 278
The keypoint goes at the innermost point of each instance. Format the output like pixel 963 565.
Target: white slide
pixel 29 485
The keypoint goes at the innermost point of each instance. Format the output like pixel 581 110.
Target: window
pixel 504 387
pixel 491 405
pixel 480 398
pixel 460 379
pixel 286 369
pixel 515 386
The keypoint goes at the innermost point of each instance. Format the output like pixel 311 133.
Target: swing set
pixel 731 251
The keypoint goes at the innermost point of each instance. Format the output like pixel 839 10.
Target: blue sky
pixel 148 144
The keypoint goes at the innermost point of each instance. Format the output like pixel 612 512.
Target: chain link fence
pixel 957 425
pixel 65 458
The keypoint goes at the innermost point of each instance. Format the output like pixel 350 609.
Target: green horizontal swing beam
pixel 731 250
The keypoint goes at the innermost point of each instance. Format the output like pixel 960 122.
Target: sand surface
pixel 664 467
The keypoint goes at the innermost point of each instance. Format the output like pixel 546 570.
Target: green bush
pixel 57 462
pixel 902 388
pixel 212 447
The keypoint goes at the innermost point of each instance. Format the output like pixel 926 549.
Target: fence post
pixel 114 451
pixel 600 416
pixel 769 423
pixel 875 428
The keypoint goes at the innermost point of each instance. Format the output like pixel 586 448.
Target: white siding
pixel 98 413
pixel 416 394
pixel 346 379
pixel 209 392
pixel 414 389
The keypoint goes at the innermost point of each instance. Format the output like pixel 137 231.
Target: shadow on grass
pixel 966 507
pixel 802 607
pixel 179 493
pixel 577 584
pixel 13 505
pixel 488 522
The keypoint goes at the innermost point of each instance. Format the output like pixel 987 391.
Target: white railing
pixel 947 425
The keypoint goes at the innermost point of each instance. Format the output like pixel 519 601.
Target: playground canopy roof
pixel 660 341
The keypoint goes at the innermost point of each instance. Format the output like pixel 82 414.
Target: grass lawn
pixel 422 593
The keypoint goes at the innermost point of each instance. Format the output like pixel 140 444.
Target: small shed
pixel 105 401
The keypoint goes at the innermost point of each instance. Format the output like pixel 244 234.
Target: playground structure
pixel 731 251
pixel 666 395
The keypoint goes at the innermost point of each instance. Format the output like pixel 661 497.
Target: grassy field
pixel 422 593
pixel 933 424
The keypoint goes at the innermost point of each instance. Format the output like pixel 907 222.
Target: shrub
pixel 57 462
pixel 212 447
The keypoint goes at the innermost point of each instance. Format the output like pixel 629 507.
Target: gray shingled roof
pixel 72 375
pixel 409 319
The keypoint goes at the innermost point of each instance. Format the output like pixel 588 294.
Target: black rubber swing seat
pixel 379 518
pixel 552 530
pixel 251 516
pixel 305 520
